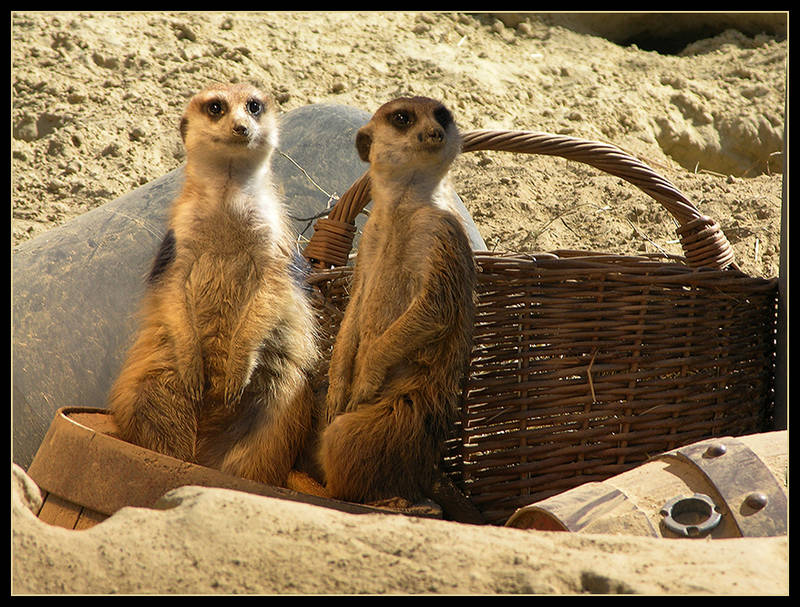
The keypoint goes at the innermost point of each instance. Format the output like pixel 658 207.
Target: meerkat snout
pixel 251 112
pixel 432 134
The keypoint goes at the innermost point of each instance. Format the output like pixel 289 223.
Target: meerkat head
pixel 230 121
pixel 408 135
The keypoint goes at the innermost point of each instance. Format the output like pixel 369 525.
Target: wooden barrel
pixel 86 474
pixel 719 488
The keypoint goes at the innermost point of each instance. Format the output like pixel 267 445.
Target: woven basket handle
pixel 704 244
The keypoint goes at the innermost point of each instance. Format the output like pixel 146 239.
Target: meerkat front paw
pixel 366 389
pixel 236 380
pixel 192 379
pixel 336 399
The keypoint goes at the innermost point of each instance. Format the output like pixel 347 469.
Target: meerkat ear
pixel 363 143
pixel 184 127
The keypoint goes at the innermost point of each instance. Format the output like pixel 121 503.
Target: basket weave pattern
pixel 587 364
pixel 585 367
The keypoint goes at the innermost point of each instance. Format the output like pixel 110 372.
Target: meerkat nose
pixel 241 130
pixel 434 134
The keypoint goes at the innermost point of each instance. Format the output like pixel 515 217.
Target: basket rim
pixel 656 267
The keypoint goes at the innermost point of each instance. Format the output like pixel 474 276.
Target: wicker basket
pixel 586 364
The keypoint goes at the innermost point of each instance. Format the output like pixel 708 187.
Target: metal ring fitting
pixel 698 513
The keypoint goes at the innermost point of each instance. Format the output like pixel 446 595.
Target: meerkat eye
pixel 402 119
pixel 214 108
pixel 254 107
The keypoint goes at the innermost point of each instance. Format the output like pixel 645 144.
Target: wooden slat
pixel 59 512
pixel 89 518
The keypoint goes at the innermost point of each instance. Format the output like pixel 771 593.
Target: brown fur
pixel 404 342
pixel 218 371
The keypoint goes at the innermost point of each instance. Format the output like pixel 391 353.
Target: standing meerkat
pixel 404 342
pixel 217 374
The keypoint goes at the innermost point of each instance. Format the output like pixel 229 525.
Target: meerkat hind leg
pixel 377 452
pixel 157 416
pixel 276 437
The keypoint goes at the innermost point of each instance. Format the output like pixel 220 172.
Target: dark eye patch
pixel 443 116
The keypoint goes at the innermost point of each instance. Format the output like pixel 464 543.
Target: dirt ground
pixel 96 99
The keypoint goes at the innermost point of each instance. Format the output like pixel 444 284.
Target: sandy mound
pixel 209 541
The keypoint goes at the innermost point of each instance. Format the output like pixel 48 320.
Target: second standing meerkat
pixel 218 372
pixel 404 342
